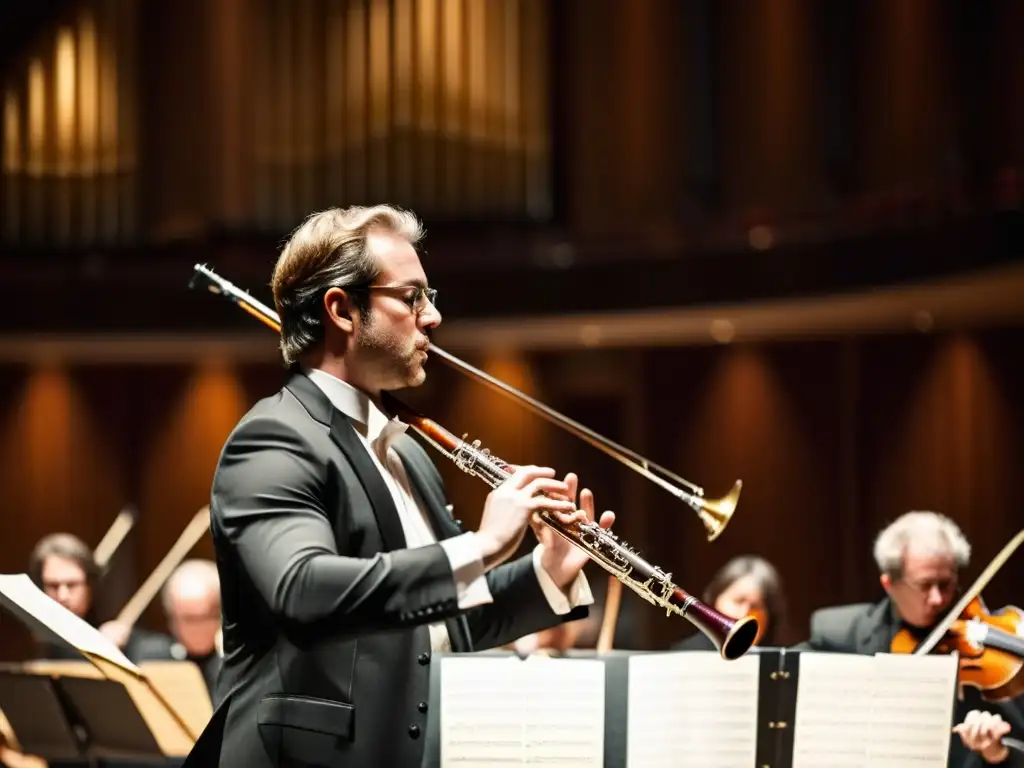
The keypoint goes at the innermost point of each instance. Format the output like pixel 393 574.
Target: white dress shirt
pixel 376 431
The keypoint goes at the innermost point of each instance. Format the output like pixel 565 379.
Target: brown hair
pixel 67 546
pixel 768 581
pixel 328 250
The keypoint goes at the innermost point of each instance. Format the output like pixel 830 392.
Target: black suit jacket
pixel 326 649
pixel 869 628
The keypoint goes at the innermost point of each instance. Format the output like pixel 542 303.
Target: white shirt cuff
pixel 561 602
pixel 468 567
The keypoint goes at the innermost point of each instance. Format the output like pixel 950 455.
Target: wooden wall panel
pixel 832 440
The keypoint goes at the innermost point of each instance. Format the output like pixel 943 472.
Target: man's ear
pixel 338 306
pixel 886 581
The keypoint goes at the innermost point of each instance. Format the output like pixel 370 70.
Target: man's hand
pixel 562 560
pixel 116 632
pixel 981 731
pixel 510 506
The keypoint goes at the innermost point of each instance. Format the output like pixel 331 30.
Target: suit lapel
pixel 875 634
pixel 431 497
pixel 346 438
pixel 344 434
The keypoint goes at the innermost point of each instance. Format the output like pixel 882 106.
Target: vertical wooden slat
pixel 512 133
pixel 109 120
pixel 357 106
pixel 453 120
pixel 37 143
pixel 64 119
pixel 478 108
pixel 307 90
pixel 335 126
pixel 535 70
pixel 428 103
pixel 13 163
pixel 285 101
pixel 379 100
pixel 88 126
pixel 493 194
pixel 264 111
pixel 403 84
pixel 127 146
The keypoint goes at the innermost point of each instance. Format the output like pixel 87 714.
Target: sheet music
pixel 833 711
pixel 507 711
pixel 40 612
pixel 692 708
pixel 912 710
pixel 883 711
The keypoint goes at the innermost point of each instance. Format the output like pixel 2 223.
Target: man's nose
pixel 935 596
pixel 431 316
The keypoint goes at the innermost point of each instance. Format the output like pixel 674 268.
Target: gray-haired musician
pixel 919 557
pixel 341 569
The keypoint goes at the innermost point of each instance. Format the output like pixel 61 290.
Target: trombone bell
pixel 716 513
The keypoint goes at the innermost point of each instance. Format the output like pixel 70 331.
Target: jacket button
pixel 424 658
pixel 422 706
pixel 414 731
pixel 458 524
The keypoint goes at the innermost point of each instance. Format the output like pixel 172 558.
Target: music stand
pixel 33 707
pixel 85 695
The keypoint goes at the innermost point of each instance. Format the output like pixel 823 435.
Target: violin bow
pixel 115 535
pixel 979 584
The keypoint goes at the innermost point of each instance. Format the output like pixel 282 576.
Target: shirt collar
pixel 371 421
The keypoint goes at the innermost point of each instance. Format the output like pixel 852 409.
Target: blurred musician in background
pixel 745 585
pixel 341 569
pixel 62 566
pixel 919 558
pixel 191 602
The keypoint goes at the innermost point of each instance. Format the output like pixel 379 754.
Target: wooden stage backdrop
pixel 832 439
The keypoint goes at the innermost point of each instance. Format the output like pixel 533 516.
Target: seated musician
pixel 744 585
pixel 63 566
pixel 919 558
pixel 191 600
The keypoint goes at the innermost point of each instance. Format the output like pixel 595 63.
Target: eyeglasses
pixel 415 296
pixel 924 587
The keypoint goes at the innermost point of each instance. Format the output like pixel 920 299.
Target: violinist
pixel 746 585
pixel 919 557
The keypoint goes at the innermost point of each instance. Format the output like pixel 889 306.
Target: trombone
pixel 714 514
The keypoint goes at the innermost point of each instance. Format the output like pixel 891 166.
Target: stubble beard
pixel 394 360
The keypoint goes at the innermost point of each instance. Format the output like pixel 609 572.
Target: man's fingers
pixel 572 483
pixel 526 474
pixel 607 519
pixel 548 486
pixel 587 502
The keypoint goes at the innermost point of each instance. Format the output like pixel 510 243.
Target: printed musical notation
pixel 511 712
pixel 692 709
pixel 911 710
pixel 883 711
pixel 833 707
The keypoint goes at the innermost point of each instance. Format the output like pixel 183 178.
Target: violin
pixel 990 646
